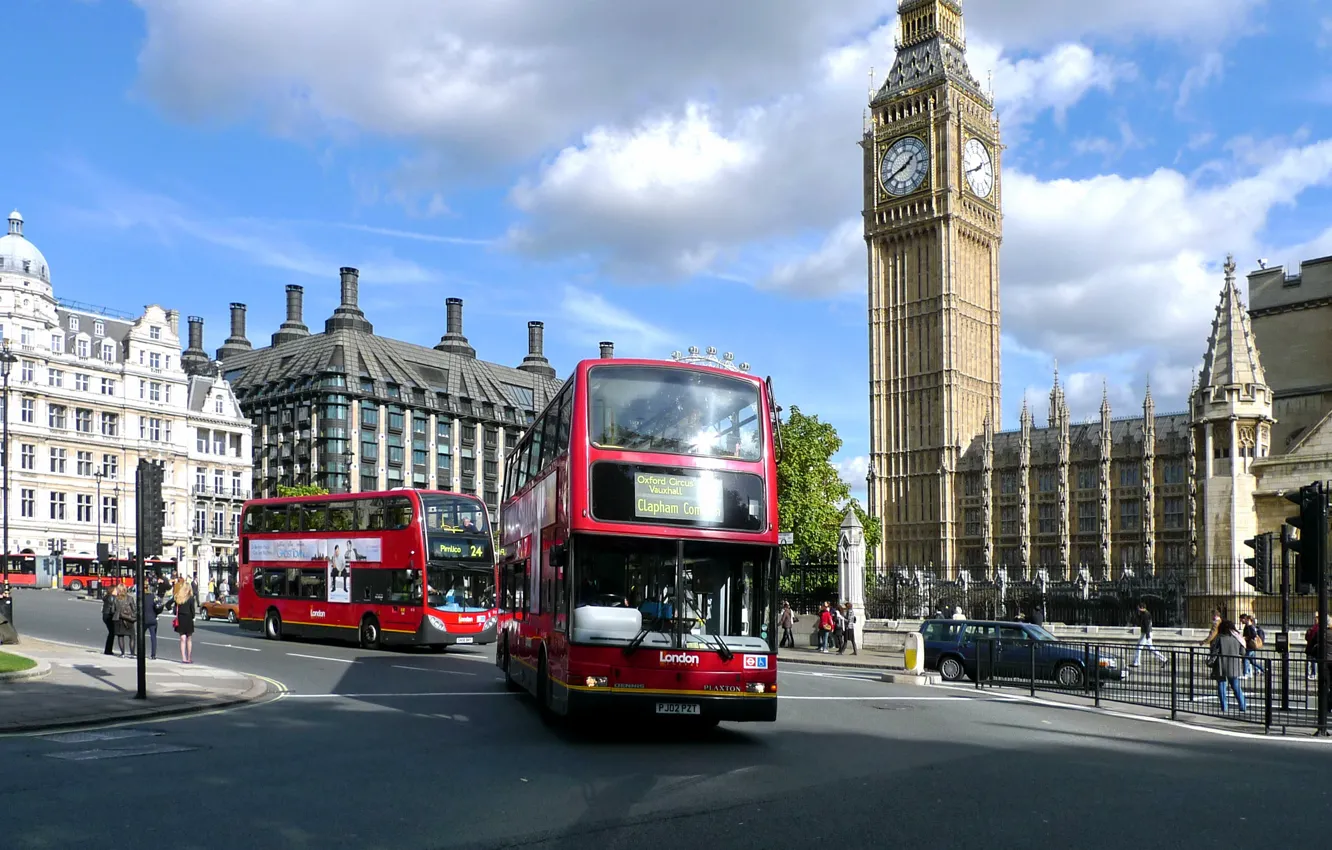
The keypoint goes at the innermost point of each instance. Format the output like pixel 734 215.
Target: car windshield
pixel 723 587
pixel 459 589
pixel 1040 633
pixel 675 411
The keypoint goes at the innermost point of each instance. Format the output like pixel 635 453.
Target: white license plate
pixel 678 708
pixel 464 640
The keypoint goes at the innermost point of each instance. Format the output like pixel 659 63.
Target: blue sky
pixel 663 174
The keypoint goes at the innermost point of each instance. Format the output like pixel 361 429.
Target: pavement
pixel 76 685
pixel 421 751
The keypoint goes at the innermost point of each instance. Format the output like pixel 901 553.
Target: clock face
pixel 904 166
pixel 978 167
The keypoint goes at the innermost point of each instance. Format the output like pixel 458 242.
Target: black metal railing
pixel 1278 691
pixel 1176 596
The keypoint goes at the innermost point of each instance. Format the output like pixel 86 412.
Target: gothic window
pixel 972 484
pixel 1008 520
pixel 1088 478
pixel 1174 472
pixel 973 522
pixel 1008 483
pixel 1048 521
pixel 1174 512
pixel 1046 481
pixel 1130 514
pixel 1088 522
pixel 1129 474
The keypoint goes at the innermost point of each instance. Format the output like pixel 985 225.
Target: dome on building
pixel 17 254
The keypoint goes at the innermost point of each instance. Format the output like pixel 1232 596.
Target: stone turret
pixel 1107 447
pixel 1148 482
pixel 1024 489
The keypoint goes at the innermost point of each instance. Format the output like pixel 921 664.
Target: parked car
pixel 951 648
pixel 223 606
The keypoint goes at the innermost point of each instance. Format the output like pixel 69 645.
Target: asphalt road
pixel 414 750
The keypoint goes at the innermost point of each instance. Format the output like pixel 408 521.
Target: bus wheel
pixel 76 586
pixel 273 625
pixel 510 683
pixel 369 633
pixel 543 690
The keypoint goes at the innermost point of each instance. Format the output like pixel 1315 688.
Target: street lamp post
pixel 347 458
pixel 7 360
pixel 98 475
pixel 869 499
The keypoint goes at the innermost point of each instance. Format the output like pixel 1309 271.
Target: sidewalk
pixel 868 659
pixel 78 686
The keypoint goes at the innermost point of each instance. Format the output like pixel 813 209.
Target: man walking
pixel 1254 636
pixel 787 621
pixel 1145 636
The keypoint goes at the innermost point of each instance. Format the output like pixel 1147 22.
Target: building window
pixel 99 328
pixel 369 452
pixel 83 507
pixel 110 510
pixel 108 386
pixel 85 463
pixel 369 417
pixel 237 485
pixel 109 352
pixel 57 344
pixel 1129 474
pixel 395 421
pixel 154 332
pixel 217 404
pixel 74 323
pixel 1088 520
pixel 27 371
pixel 28 503
pixel 1045 482
pixel 1174 472
pixel 58 458
pixel 110 424
pixel 1008 483
pixel 82 348
pixel 154 391
pixel 219 442
pixel 110 466
pixel 1008 520
pixel 56 417
pixel 151 428
pixel 55 378
pixel 28 411
pixel 81 382
pixel 28 457
pixel 57 505
pixel 83 419
pixel 1088 477
pixel 201 441
pixel 155 360
pixel 1173 512
pixel 971 484
pixel 1047 521
pixel 1130 514
pixel 973 521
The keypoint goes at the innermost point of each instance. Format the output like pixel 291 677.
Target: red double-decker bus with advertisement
pixel 638 565
pixel 414 567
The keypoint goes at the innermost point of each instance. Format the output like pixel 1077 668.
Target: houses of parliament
pixel 1137 490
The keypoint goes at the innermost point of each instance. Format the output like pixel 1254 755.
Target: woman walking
pixel 125 618
pixel 184 597
pixel 1227 662
pixel 151 606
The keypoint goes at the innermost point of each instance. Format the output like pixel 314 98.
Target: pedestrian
pixel 1216 624
pixel 212 590
pixel 1313 647
pixel 184 623
pixel 839 628
pixel 957 613
pixel 825 627
pixel 1037 616
pixel 1254 638
pixel 1145 636
pixel 151 607
pixel 109 618
pixel 1227 662
pixel 787 621
pixel 849 630
pixel 125 619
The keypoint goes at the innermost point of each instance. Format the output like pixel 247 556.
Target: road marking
pixel 829 676
pixel 229 646
pixel 433 694
pixel 899 699
pixel 431 670
pixel 323 658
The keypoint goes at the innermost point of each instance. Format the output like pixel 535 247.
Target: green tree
pixel 812 497
pixel 301 490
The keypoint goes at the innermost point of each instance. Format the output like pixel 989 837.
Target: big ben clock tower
pixel 932 228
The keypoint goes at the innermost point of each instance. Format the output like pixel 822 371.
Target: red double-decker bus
pixel 638 564
pixel 396 567
pixel 79 571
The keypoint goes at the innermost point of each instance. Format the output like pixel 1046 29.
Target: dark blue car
pixel 951 648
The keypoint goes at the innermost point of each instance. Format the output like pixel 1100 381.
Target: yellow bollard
pixel 913 653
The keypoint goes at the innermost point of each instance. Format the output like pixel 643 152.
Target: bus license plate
pixel 464 640
pixel 678 708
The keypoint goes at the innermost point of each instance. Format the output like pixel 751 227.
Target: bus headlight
pixel 597 681
pixel 437 622
pixel 755 688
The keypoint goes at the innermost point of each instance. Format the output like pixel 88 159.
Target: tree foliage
pixel 301 490
pixel 812 497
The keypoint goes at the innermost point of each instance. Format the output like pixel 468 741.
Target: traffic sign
pixel 785 538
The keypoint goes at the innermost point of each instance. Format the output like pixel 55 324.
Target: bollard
pixel 913 653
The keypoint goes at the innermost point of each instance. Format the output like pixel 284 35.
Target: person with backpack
pixel 1254 638
pixel 109 618
pixel 825 627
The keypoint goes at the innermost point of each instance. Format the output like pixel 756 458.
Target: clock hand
pixel 909 163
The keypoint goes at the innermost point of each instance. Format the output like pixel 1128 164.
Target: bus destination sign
pixel 695 498
pixel 450 548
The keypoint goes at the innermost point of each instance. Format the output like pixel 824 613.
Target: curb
pixel 42 669
pixel 258 689
pixel 828 662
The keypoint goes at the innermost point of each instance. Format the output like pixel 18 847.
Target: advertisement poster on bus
pixel 338 554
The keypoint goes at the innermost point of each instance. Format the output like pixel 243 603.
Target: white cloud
pixel 1056 80
pixel 1040 23
pixel 837 266
pixel 852 470
pixel 588 316
pixel 1209 70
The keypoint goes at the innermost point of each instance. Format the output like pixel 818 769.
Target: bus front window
pixel 461 590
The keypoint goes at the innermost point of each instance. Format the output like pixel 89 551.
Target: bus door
pixel 404 601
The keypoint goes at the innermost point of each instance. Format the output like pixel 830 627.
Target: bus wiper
pixel 640 637
pixel 722 649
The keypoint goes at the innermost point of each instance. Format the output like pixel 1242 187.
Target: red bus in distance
pixel 638 565
pixel 78 572
pixel 405 567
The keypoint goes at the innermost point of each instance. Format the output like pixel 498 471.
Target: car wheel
pixel 206 617
pixel 273 626
pixel 1069 674
pixel 369 633
pixel 951 668
pixel 231 616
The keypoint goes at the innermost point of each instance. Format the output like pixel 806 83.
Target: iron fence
pixel 807 586
pixel 1177 597
pixel 1277 691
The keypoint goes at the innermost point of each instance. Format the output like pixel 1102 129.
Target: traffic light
pixel 152 510
pixel 1311 549
pixel 1261 562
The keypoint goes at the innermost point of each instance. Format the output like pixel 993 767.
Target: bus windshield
pixel 675 411
pixel 460 589
pixel 456 529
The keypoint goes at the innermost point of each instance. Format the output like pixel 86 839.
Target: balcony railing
pixel 221 492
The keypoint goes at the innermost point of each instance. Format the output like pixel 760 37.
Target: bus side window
pixel 341 516
pixel 522 456
pixel 374 515
pixel 534 456
pixel 549 447
pixel 277 518
pixel 314 518
pixel 397 513
pixel 255 518
pixel 566 422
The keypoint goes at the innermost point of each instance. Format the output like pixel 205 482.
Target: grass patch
pixel 14 663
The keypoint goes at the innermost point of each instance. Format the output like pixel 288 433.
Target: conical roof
pixel 1232 353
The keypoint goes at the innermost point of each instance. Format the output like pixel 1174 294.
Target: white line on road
pixel 384 696
pixel 897 699
pixel 431 670
pixel 229 646
pixel 829 676
pixel 323 658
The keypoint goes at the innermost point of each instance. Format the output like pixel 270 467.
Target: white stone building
pixel 91 392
